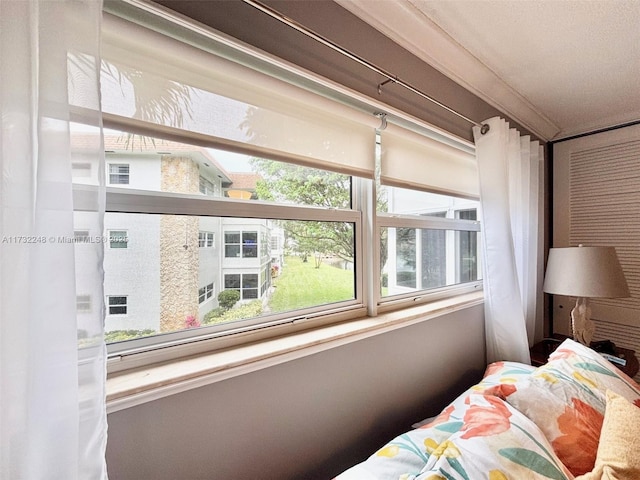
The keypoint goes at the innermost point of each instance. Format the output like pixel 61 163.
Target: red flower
pixel 486 420
pixel 578 445
pixel 502 390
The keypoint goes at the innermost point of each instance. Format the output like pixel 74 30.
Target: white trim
pixel 412 30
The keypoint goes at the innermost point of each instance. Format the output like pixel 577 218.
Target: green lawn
pixel 302 285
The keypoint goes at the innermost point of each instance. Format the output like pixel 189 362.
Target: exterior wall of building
pixel 179 252
pixel 209 266
pixel 133 271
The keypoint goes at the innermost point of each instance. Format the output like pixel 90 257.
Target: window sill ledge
pixel 129 388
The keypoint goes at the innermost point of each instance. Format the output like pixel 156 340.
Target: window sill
pixel 133 387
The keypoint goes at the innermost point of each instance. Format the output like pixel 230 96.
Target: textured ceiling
pixel 560 67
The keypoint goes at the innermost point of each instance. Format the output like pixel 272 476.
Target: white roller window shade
pixel 412 160
pixel 219 98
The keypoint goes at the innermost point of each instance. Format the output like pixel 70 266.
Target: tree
pixel 287 183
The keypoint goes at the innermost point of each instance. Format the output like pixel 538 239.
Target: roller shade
pixel 155 78
pixel 412 160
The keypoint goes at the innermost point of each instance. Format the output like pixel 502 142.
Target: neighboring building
pixel 164 271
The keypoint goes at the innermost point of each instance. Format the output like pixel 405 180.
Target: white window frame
pixel 124 305
pixel 206 239
pixel 119 175
pixel 83 303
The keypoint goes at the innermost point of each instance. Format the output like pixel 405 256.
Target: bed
pixel 576 417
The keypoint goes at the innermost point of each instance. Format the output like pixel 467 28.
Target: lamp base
pixel 582 326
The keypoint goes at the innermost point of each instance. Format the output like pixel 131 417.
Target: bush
pixel 120 335
pixel 228 298
pixel 213 315
pixel 249 310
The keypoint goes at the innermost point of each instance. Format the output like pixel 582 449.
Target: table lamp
pixel 584 272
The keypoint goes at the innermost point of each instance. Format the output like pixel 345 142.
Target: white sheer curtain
pixel 509 167
pixel 52 363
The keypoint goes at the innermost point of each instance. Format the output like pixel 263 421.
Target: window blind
pixel 411 160
pixel 155 78
pixel 605 210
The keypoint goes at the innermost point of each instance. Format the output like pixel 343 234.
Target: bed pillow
pixel 494 442
pixel 617 457
pixel 406 455
pixel 566 399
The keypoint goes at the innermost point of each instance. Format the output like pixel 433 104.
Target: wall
pixel 595 202
pixel 313 417
pixel 305 419
pixel 330 20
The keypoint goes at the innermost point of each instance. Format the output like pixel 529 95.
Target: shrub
pixel 228 298
pixel 120 335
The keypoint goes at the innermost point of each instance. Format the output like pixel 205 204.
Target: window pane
pixel 412 202
pixel 420 259
pixel 155 164
pixel 170 280
pixel 118 239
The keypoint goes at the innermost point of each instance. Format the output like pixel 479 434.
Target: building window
pixel 83 303
pixel 245 283
pixel 205 293
pixel 205 239
pixel 117 305
pixel 118 239
pixel 241 244
pixel 81 169
pixel 119 174
pixel 206 187
pixel 81 236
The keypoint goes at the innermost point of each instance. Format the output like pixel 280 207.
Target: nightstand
pixel 540 353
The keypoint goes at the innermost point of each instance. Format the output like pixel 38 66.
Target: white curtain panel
pixel 52 362
pixel 509 167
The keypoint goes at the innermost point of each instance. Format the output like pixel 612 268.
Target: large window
pixel 296 244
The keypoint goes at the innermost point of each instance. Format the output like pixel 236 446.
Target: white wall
pixel 134 271
pixel 304 419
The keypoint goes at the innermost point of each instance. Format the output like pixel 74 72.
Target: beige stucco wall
pixel 179 253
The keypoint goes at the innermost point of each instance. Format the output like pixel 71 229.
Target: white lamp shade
pixel 585 272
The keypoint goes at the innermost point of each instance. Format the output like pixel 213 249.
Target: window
pixel 118 239
pixel 437 248
pixel 83 303
pixel 117 305
pixel 241 244
pixel 118 174
pixel 205 239
pixel 298 246
pixel 246 284
pixel 81 236
pixel 80 169
pixel 206 187
pixel 205 293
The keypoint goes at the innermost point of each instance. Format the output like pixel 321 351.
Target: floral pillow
pixel 566 398
pixel 407 454
pixel 494 442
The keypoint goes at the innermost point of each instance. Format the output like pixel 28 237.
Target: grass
pixel 302 285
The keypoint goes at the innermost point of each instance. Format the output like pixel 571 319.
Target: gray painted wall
pixel 305 419
pixel 313 417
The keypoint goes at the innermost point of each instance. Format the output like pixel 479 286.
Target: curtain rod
pixel 484 128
